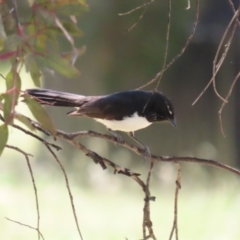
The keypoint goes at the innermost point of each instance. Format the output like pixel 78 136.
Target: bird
pixel 126 111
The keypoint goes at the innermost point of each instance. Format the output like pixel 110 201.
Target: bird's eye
pixel 169 109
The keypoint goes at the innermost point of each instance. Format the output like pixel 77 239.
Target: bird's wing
pixel 115 106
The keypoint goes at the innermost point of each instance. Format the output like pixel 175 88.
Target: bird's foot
pixel 118 137
pixel 146 152
pixel 145 149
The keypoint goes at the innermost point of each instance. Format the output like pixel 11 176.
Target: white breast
pixel 128 124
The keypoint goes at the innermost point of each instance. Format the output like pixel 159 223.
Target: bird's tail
pixel 55 98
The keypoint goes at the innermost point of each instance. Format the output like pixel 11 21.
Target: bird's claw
pixel 118 137
pixel 146 152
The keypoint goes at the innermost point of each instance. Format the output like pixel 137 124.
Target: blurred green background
pixel 110 206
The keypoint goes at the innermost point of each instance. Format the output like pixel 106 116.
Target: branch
pixel 70 136
pixel 217 65
pixel 104 162
pixel 34 124
pixel 68 188
pixel 34 187
pixel 137 8
pixel 178 187
pixel 224 103
pixel 159 74
pixel 147 223
pixel 26 225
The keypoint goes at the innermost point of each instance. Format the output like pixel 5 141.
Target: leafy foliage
pixel 4 137
pixel 34 44
pixel 40 114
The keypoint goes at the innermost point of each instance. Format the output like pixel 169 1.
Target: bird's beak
pixel 173 122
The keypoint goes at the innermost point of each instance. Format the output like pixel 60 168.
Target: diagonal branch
pixel 217 65
pixel 34 187
pixel 68 188
pixel 26 225
pixel 174 59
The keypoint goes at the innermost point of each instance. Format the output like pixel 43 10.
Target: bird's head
pixel 160 108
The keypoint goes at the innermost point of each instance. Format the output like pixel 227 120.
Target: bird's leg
pixel 119 138
pixel 145 148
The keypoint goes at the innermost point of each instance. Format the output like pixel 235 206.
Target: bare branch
pixel 167 43
pixel 145 6
pixel 216 66
pixel 19 150
pixel 36 195
pixel 69 136
pixel 26 225
pixel 137 8
pixel 33 182
pixel 32 134
pixel 178 187
pixel 68 188
pixel 233 9
pixel 147 223
pixel 181 51
pixel 224 103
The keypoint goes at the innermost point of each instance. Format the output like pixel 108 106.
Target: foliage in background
pixel 34 44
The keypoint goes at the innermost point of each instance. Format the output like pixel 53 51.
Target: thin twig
pixel 233 9
pixel 181 51
pixel 178 187
pixel 19 150
pixel 27 155
pixel 218 65
pixel 32 134
pixel 224 103
pixel 137 8
pixel 147 223
pixel 36 195
pixel 68 188
pixel 138 20
pixel 145 6
pixel 14 12
pixel 167 43
pixel 26 225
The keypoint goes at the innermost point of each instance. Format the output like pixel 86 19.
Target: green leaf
pixel 32 67
pixel 45 17
pixel 3 137
pixel 7 19
pixel 72 29
pixel 24 120
pixel 13 80
pixel 2 96
pixel 7 108
pixel 40 114
pixel 13 42
pixel 36 75
pixel 41 41
pixel 73 9
pixel 13 83
pixel 58 64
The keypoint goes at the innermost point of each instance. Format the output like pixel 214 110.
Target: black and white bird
pixel 126 111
